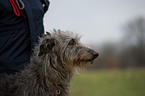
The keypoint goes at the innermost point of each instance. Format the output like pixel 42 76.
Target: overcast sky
pixel 98 21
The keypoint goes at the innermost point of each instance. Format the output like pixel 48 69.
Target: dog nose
pixel 95 54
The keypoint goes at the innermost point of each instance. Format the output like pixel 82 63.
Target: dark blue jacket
pixel 19 34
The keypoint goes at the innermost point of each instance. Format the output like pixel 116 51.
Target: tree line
pixel 129 52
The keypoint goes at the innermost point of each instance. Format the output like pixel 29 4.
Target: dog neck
pixel 49 75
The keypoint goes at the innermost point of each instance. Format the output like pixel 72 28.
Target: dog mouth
pixel 91 59
pixel 87 60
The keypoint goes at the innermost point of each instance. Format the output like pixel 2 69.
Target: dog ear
pixel 72 42
pixel 46 46
pixel 50 44
pixel 42 50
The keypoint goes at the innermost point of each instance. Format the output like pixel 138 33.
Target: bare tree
pixel 135 39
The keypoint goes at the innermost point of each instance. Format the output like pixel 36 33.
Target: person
pixel 21 23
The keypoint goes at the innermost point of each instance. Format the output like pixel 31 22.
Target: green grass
pixel 128 82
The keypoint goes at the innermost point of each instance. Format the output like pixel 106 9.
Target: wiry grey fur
pixel 51 67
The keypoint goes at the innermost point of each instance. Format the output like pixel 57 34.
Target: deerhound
pixel 51 67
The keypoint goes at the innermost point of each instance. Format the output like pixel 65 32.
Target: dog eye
pixel 72 42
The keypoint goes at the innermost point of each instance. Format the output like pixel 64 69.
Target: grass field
pixel 115 82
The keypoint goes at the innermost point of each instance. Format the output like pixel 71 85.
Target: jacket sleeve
pixel 46 2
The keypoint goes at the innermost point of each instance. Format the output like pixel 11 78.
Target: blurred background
pixel 114 28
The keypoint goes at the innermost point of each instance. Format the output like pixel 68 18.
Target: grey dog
pixel 51 67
